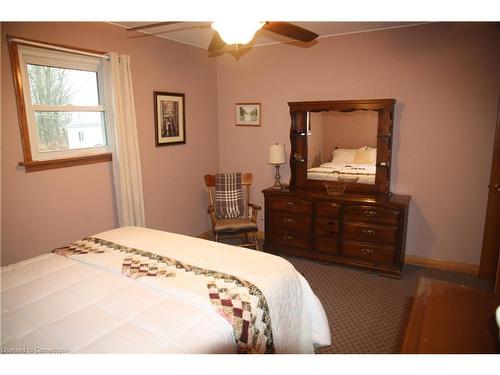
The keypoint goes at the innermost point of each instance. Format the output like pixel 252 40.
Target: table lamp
pixel 277 157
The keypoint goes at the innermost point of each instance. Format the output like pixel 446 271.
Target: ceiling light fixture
pixel 237 32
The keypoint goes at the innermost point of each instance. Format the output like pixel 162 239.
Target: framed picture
pixel 170 118
pixel 248 114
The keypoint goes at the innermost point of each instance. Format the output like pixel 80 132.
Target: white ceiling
pixel 199 34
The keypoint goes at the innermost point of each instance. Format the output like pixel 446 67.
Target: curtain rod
pixel 64 49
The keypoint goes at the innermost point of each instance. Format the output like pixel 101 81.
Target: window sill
pixel 41 165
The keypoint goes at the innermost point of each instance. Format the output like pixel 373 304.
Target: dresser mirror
pixel 342 140
pixel 342 145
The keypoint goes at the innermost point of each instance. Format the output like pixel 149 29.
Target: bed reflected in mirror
pixel 342 145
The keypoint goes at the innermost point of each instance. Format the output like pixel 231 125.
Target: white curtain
pixel 123 133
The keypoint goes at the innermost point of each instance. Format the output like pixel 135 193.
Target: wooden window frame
pixel 28 163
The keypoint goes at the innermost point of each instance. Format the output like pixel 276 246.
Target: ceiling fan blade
pixel 216 43
pixel 291 31
pixel 151 25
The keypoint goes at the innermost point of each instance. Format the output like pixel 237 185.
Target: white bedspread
pixel 52 302
pixel 332 171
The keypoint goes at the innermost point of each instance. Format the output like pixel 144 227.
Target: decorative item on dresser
pixel 364 227
pixel 277 157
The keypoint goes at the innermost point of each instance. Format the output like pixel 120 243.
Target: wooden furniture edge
pixel 467 314
pixel 441 264
pixel 207 235
pixel 414 325
pixel 41 165
pixel 341 104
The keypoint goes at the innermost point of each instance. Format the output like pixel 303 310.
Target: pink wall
pixel 43 210
pixel 445 78
pixel 343 130
pixel 350 129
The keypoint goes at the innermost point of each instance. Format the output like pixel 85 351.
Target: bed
pixel 333 171
pixel 140 290
pixel 357 163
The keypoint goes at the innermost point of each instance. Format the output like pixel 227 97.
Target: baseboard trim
pixel 441 264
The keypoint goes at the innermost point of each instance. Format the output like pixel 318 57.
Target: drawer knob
pixel 367 251
pixel 289 204
pixel 370 213
pixel 368 232
pixel 288 221
pixel 287 238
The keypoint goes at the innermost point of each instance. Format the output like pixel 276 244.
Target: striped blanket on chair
pixel 228 196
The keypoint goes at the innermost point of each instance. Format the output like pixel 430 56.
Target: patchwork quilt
pixel 241 303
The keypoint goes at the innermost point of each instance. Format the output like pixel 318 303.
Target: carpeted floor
pixel 368 313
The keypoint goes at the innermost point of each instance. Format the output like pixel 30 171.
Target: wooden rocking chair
pixel 243 228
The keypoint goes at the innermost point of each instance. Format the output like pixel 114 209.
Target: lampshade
pixel 277 153
pixel 236 31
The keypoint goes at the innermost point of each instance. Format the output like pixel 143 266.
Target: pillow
pixel 343 155
pixel 365 155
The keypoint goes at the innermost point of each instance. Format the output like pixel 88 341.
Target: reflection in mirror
pixel 342 145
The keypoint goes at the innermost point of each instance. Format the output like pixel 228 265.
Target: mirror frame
pixel 299 112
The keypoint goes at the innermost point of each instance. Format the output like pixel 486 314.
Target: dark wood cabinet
pixel 363 231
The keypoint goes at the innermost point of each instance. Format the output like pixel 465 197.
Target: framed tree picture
pixel 248 114
pixel 170 118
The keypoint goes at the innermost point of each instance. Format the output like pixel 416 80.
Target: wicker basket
pixel 338 186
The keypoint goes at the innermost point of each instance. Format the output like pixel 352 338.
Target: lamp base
pixel 277 182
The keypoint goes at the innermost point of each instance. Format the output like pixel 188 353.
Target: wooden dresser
pixel 363 231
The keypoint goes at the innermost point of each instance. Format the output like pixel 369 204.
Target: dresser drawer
pixel 290 221
pixel 369 252
pixel 371 214
pixel 371 233
pixel 289 239
pixel 327 209
pixel 327 227
pixel 290 204
pixel 326 245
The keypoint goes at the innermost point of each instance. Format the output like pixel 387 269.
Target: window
pixel 62 106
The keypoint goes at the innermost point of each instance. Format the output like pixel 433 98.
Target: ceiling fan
pixel 240 33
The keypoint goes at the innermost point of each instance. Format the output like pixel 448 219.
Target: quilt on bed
pixel 83 302
pixel 238 301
